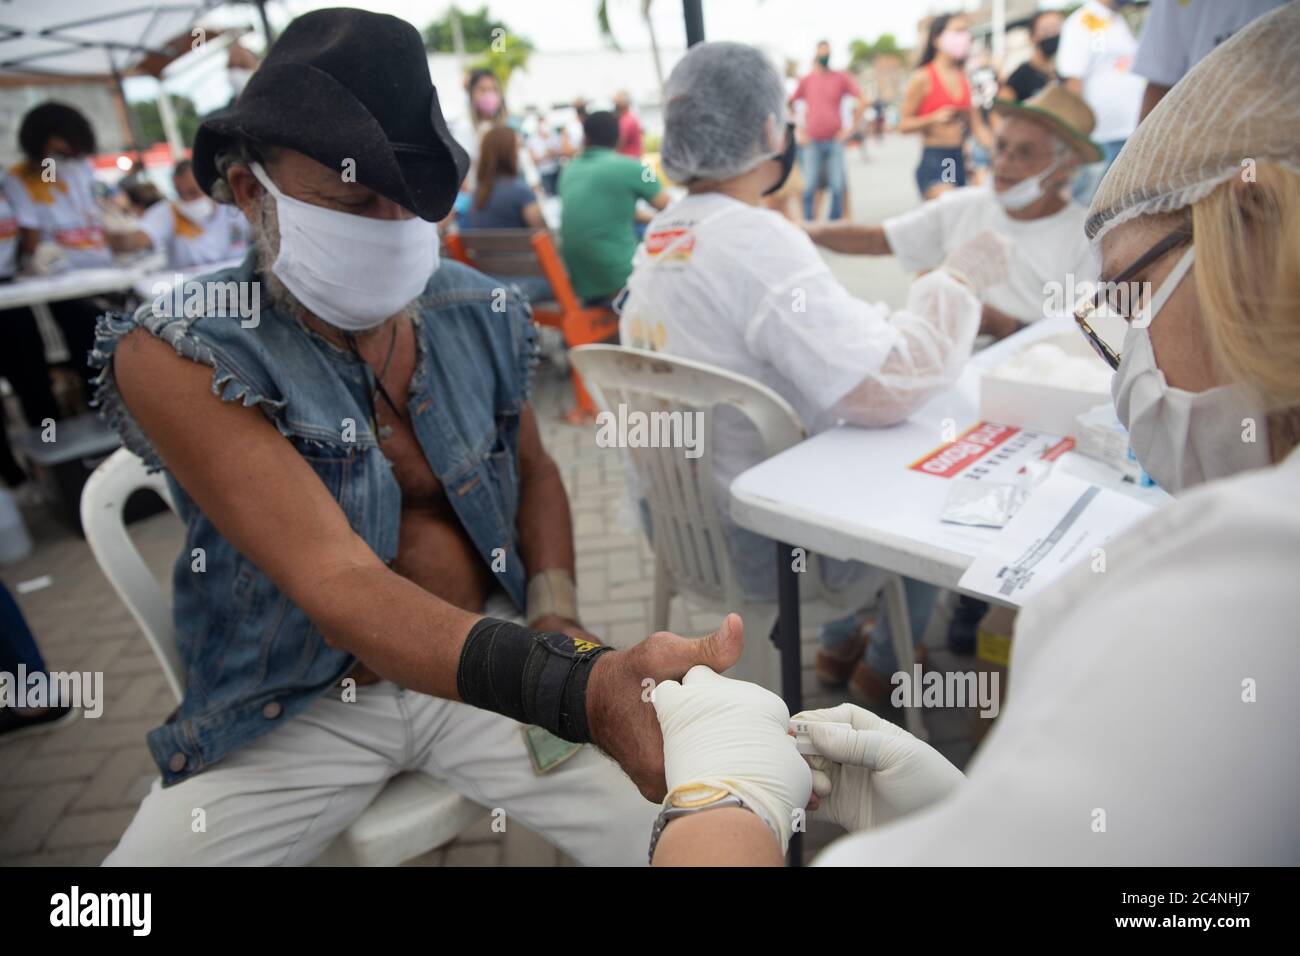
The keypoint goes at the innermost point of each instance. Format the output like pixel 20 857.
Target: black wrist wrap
pixel 537 677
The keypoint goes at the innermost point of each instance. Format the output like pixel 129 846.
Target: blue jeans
pixel 754 558
pixel 940 165
pixel 880 656
pixel 822 162
pixel 1088 178
pixel 17 646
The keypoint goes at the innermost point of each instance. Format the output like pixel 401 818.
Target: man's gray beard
pixel 265 235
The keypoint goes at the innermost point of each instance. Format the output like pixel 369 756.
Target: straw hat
pixel 1067 115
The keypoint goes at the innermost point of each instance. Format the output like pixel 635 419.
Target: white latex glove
pixel 117 222
pixel 731 735
pixel 982 262
pixel 874 772
pixel 47 260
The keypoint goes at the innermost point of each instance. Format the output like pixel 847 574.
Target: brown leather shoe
pixel 873 690
pixel 834 665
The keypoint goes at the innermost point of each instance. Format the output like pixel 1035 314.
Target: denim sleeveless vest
pixel 251 658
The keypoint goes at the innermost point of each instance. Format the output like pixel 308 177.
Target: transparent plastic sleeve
pixel 935 333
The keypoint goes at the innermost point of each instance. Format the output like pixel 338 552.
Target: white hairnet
pixel 724 103
pixel 1239 104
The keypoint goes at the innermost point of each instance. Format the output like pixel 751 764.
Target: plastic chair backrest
pixel 102 503
pixel 517 252
pixel 500 252
pixel 684 511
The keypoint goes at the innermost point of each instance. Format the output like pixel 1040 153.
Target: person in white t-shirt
pixel 60 225
pixel 1177 35
pixel 51 190
pixel 722 280
pixel 1038 148
pixel 1095 60
pixel 194 230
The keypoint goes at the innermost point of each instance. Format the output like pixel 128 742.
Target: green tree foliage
pixel 498 48
pixel 149 122
pixel 862 53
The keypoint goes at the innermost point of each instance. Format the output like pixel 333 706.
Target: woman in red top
pixel 937 104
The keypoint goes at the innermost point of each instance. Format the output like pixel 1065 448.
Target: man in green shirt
pixel 598 191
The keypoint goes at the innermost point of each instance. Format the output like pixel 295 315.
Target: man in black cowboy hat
pixel 367 501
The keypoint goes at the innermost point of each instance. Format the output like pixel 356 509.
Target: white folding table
pixel 37 292
pixel 848 493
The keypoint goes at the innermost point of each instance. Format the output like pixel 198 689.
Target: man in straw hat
pixel 377 575
pixel 1039 145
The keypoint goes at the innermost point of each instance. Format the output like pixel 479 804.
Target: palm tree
pixel 602 20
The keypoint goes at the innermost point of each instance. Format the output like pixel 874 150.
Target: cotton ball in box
pixel 1048 364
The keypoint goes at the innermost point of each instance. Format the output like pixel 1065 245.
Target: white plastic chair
pixel 413 814
pixel 691 558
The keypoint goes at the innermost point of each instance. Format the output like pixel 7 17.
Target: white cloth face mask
pixel 1184 438
pixel 352 271
pixel 1028 190
pixel 196 210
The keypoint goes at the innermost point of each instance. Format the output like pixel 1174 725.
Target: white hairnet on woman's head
pixel 1238 106
pixel 724 102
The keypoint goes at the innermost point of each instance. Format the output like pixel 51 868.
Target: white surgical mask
pixel 352 271
pixel 1184 438
pixel 1028 190
pixel 196 210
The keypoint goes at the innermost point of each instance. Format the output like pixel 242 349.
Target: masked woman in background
pixel 937 104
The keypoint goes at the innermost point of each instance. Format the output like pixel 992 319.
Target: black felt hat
pixel 343 84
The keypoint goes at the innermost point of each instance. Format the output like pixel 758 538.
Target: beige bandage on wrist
pixel 552 593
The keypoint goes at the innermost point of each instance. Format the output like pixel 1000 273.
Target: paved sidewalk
pixel 66 797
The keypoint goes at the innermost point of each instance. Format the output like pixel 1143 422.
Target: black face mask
pixel 787 160
pixel 824 60
pixel 1049 46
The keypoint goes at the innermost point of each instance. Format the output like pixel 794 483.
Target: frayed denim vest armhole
pixel 227 383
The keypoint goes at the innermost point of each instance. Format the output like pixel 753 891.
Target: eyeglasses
pixel 1114 293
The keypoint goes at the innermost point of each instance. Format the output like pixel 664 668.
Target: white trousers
pixel 282 799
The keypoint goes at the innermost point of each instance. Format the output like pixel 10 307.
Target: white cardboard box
pixel 1040 406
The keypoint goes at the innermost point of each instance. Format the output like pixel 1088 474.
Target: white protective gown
pixel 719 281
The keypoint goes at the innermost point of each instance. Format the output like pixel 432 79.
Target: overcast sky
pixel 791 27
pixel 784 28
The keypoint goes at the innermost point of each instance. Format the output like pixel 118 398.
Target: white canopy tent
pixel 96 37
pixel 103 40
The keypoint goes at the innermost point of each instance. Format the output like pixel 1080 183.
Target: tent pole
pixel 132 125
pixel 694 13
pixel 171 130
pixel 266 24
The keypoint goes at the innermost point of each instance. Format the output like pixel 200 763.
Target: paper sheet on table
pixel 1061 524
